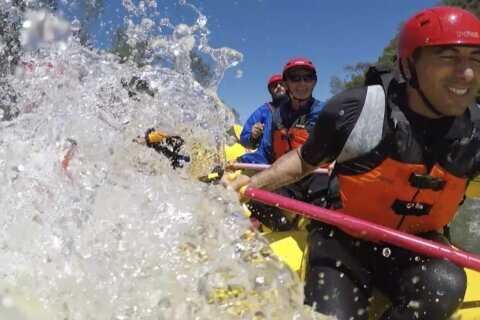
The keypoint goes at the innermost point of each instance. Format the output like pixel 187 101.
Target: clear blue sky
pixel 331 33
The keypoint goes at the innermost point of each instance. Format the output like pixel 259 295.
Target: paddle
pixel 367 229
pixel 259 167
pixel 217 173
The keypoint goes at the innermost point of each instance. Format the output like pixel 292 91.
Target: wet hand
pixel 235 181
pixel 257 130
pixel 230 165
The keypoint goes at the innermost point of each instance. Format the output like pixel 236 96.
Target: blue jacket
pixel 264 152
pixel 262 115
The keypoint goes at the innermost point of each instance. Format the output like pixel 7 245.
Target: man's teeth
pixel 458 91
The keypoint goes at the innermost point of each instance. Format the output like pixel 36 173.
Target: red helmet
pixel 298 62
pixel 438 26
pixel 274 78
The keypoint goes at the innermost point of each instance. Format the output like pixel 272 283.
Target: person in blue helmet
pixel 253 128
pixel 290 125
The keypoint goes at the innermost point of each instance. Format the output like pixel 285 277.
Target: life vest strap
pixel 334 198
pixel 409 208
pixel 287 136
pixel 421 181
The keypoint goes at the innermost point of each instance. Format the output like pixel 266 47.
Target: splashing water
pixel 41 29
pixel 116 233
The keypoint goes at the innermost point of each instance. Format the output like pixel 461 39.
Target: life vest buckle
pixel 421 181
pixel 409 208
pixel 287 136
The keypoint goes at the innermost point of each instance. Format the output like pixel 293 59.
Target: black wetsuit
pixel 342 270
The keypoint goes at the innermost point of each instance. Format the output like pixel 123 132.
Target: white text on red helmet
pixel 468 34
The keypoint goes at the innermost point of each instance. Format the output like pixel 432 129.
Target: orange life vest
pixel 389 182
pixel 286 139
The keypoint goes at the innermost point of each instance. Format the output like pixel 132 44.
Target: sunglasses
pixel 275 85
pixel 298 77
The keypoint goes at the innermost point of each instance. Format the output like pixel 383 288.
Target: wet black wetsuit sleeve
pixel 334 125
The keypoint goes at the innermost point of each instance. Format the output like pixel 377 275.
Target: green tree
pixel 470 5
pixel 336 85
pixel 90 11
pixel 10 25
pixel 202 71
pixel 389 54
pixel 125 51
pixel 355 77
pixel 236 115
pixel 121 48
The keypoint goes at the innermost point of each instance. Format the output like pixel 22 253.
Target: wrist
pixel 254 183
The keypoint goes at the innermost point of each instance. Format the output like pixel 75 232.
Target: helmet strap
pixel 413 82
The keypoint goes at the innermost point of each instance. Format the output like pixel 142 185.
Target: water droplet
pixel 75 25
pixel 8 302
pixel 386 252
pixel 259 280
pixel 202 21
pixel 238 74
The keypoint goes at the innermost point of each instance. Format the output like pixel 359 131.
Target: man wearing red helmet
pixel 290 126
pixel 405 150
pixel 253 127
